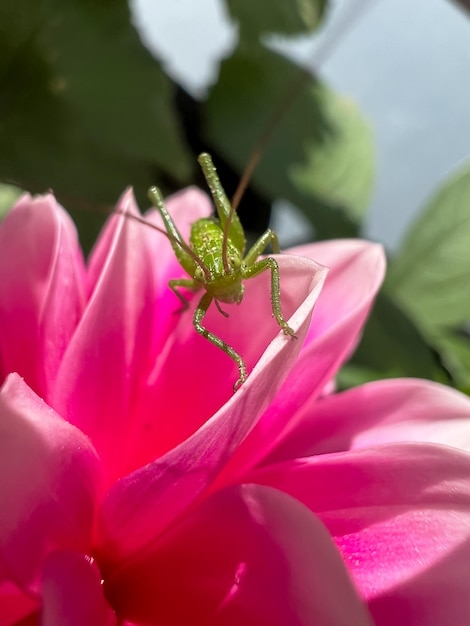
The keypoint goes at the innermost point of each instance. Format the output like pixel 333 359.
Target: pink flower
pixel 141 490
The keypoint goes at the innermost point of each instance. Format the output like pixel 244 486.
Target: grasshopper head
pixel 231 294
pixel 224 286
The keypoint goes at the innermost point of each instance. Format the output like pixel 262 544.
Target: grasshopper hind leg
pixel 199 314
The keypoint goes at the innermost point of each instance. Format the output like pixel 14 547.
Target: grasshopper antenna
pixel 155 196
pixel 350 19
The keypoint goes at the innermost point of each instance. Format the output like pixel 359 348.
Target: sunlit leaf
pixel 454 349
pixel 430 275
pixel 8 195
pixel 276 16
pixel 320 154
pixel 331 168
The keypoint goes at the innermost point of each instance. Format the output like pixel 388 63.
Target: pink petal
pixel 248 555
pixel 49 479
pixel 400 515
pixel 112 351
pixel 41 289
pixel 204 372
pixel 31 620
pixel 385 411
pixel 73 593
pixel 15 605
pixel 142 504
pixel 185 208
pixel 357 269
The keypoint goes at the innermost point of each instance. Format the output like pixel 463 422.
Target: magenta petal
pixel 357 269
pixel 205 373
pixel 72 592
pixel 400 515
pixel 385 411
pixel 143 504
pixel 49 479
pixel 356 272
pixel 42 282
pixel 185 208
pixel 112 350
pixel 247 555
pixel 15 605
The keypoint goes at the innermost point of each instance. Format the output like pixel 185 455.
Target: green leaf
pixel 8 196
pixel 319 156
pixel 288 17
pixel 454 350
pixel 85 109
pixel 391 346
pixel 328 169
pixel 430 276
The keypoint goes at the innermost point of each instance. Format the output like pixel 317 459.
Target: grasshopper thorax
pixel 221 279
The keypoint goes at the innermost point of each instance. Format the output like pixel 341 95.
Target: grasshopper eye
pixel 234 262
pixel 199 274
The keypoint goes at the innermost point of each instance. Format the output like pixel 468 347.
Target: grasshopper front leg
pixel 251 268
pixel 260 245
pixel 199 314
pixel 175 283
pixel 264 265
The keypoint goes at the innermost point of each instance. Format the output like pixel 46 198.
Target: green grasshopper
pixel 216 262
pixel 215 257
